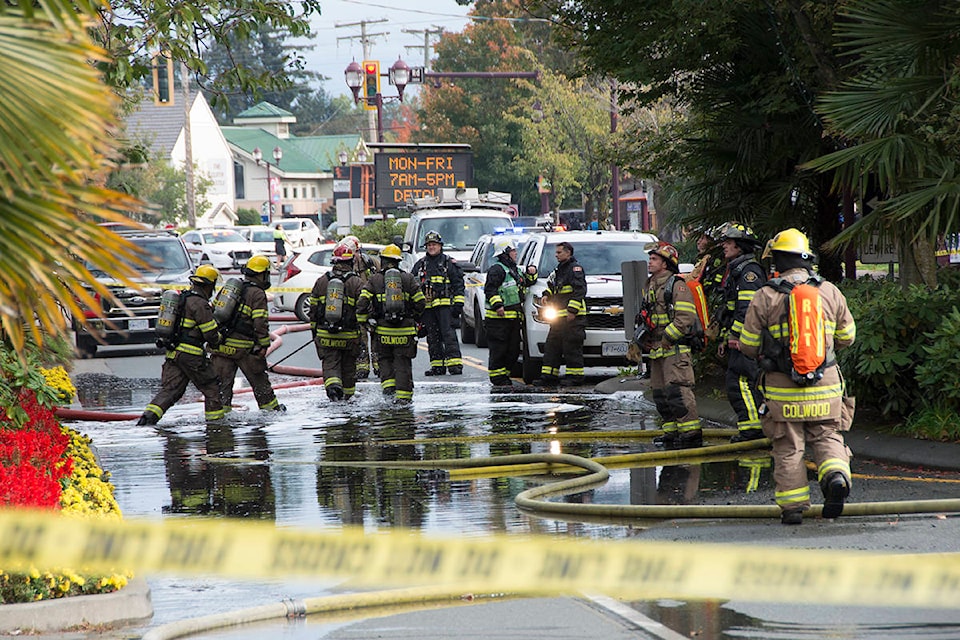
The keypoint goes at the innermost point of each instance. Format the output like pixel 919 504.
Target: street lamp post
pixel 355 74
pixel 258 158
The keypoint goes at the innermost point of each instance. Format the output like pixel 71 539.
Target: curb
pixel 127 606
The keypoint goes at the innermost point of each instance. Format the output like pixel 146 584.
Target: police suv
pixel 601 254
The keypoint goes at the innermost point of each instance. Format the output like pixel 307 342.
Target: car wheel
pixel 302 308
pixel 87 346
pixel 468 335
pixel 478 329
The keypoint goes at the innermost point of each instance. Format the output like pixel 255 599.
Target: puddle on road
pixel 265 466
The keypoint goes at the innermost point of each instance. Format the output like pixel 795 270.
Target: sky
pixel 335 48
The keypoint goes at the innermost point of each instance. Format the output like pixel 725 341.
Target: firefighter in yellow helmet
pixel 186 361
pixel 670 314
pixel 504 290
pixel 802 409
pixel 245 332
pixel 333 318
pixel 391 304
pixel 364 265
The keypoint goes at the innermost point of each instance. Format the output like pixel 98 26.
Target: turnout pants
pixel 179 370
pixel 503 338
pixel 672 381
pixel 742 392
pixel 564 346
pixel 790 439
pixel 442 343
pixel 254 368
pixel 340 367
pixel 396 366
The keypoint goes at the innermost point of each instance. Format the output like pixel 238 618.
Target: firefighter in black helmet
pixel 441 281
pixel 186 360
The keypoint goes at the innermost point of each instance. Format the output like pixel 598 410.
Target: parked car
pixel 260 238
pixel 301 272
pixel 601 254
pixel 300 232
pixel 471 327
pixel 133 318
pixel 223 248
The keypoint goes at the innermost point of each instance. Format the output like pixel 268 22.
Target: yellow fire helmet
pixel 391 251
pixel 258 264
pixel 205 274
pixel 789 241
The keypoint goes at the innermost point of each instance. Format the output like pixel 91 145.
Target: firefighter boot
pixel 791 516
pixel 435 371
pixel 546 381
pixel 455 370
pixel 148 419
pixel 691 439
pixel 335 392
pixel 745 435
pixel 668 440
pixel 835 492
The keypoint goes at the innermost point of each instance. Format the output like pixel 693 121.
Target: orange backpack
pixel 805 354
pixel 698 337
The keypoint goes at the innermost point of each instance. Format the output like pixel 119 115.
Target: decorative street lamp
pixel 258 158
pixel 367 78
pixel 342 157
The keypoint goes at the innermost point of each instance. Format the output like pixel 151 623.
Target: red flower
pixel 33 457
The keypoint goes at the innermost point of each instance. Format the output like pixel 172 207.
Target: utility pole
pixel 438 31
pixel 366 39
pixel 191 195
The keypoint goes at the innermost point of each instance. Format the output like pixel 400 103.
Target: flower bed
pixel 46 465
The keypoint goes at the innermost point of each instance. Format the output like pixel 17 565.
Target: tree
pixel 51 173
pixel 266 53
pixel 744 74
pixel 898 121
pixel 133 32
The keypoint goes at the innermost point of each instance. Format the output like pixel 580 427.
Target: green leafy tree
pixel 52 171
pixel 133 32
pixel 744 74
pixel 898 119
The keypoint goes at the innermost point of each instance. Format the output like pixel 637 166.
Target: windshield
pixel 222 236
pixel 290 225
pixel 596 258
pixel 460 233
pixel 163 255
pixel 265 235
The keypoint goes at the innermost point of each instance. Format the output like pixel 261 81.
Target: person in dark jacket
pixel 391 303
pixel 245 338
pixel 743 277
pixel 504 290
pixel 333 318
pixel 186 361
pixel 441 281
pixel 566 292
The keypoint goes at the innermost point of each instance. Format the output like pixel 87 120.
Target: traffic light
pixel 371 83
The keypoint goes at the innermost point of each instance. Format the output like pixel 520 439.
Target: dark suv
pixel 134 320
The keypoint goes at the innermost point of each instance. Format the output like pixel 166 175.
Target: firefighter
pixel 391 303
pixel 503 291
pixel 186 361
pixel 796 415
pixel 671 318
pixel 743 277
pixel 333 318
pixel 565 294
pixel 245 336
pixel 441 281
pixel 364 266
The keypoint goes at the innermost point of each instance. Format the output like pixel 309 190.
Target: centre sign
pixel 402 176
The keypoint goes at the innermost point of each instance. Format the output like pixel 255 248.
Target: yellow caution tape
pixel 529 564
